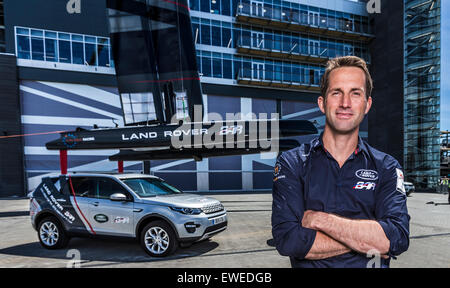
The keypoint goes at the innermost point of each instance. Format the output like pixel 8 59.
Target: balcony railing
pixel 311 51
pixel 313 22
pixel 279 79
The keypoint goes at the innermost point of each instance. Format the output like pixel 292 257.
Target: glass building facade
pixel 422 92
pixel 273 43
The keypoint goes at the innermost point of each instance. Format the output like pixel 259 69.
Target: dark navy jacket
pixel 368 186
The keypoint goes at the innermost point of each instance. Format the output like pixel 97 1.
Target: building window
pixel 51 50
pixel 226 10
pixel 216 41
pixel 37 45
pixel 227 69
pixel 217 67
pixel 204 5
pixel 52 46
pixel 103 52
pixel 64 52
pixel 226 37
pixel 90 51
pixel 23 47
pixel 206 65
pixel 205 34
pixel 194 4
pixel 77 53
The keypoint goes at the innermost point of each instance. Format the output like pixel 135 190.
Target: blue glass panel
pixel 77 53
pixel 227 69
pixel 247 70
pixel 194 5
pixel 226 37
pixel 37 48
pixel 204 5
pixel 104 41
pixel 226 10
pixel 206 66
pixel 287 75
pixel 217 67
pixel 77 37
pixel 90 39
pixel 206 35
pixel 216 41
pixel 64 52
pixel 23 47
pixel 236 68
pixel 38 33
pixel 64 36
pixel 103 55
pixel 52 35
pixel 23 31
pixel 90 54
pixel 51 50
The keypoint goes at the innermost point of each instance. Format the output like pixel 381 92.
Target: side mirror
pixel 118 197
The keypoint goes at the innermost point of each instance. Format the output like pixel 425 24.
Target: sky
pixel 445 69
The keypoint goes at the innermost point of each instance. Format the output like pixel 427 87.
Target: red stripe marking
pixel 63 161
pixel 75 199
pixel 178 4
pixel 33 134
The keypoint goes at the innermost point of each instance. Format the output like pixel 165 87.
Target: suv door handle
pixel 94 203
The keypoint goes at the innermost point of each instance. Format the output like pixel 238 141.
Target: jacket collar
pixel 318 142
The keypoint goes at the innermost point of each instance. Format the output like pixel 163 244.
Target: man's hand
pixel 313 219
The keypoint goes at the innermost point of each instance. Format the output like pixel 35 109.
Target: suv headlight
pixel 187 211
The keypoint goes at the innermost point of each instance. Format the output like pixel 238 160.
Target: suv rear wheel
pixel 158 239
pixel 51 234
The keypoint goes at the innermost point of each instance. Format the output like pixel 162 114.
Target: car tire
pixel 51 234
pixel 158 239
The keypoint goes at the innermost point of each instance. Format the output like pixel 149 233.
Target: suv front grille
pixel 212 208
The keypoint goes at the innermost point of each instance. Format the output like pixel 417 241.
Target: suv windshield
pixel 147 187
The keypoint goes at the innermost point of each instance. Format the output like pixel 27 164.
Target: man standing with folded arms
pixel 337 201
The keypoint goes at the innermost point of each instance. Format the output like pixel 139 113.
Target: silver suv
pixel 125 205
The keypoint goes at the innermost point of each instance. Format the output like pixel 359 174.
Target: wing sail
pixel 155 59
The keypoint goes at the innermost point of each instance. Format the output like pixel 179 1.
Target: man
pixel 337 202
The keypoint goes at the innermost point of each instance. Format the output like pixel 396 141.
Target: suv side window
pixel 83 186
pixel 106 187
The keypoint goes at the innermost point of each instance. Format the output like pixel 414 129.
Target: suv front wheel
pixel 158 239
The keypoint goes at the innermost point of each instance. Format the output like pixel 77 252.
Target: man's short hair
pixel 346 61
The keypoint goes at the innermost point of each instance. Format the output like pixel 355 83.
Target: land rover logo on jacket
pixel 101 218
pixel 367 174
